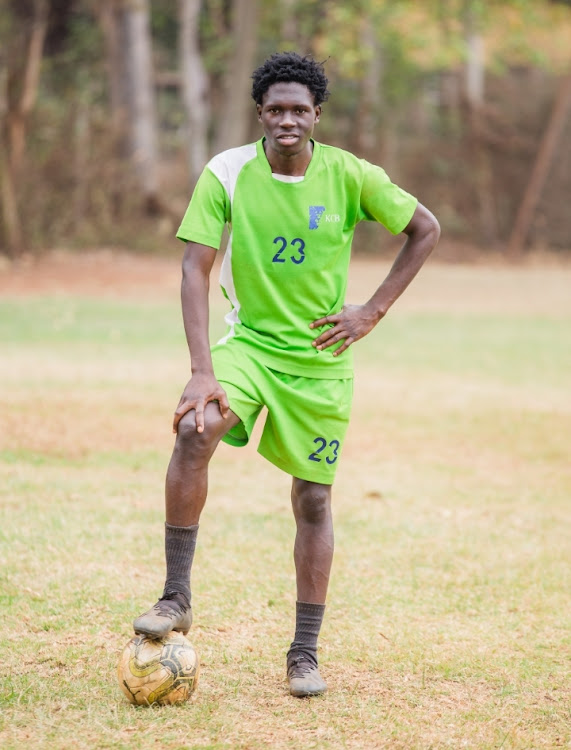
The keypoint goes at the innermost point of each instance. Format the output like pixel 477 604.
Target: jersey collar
pixel 311 167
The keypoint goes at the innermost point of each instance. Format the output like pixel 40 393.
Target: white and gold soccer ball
pixel 158 671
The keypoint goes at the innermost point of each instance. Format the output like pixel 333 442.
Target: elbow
pixel 425 228
pixel 434 231
pixel 429 227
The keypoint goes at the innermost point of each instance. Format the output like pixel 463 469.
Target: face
pixel 288 115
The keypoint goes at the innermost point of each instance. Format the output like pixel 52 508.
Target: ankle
pixel 181 598
pixel 300 652
pixel 180 544
pixel 308 620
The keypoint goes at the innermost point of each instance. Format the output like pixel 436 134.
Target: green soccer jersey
pixel 287 259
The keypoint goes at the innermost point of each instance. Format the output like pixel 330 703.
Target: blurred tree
pixel 109 14
pixel 126 28
pixel 545 154
pixel 288 25
pixel 195 88
pixel 472 18
pixel 24 32
pixel 451 96
pixel 475 56
pixel 370 90
pixel 234 126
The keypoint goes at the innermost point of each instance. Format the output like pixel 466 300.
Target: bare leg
pixel 187 475
pixel 313 555
pixel 313 550
pixel 186 487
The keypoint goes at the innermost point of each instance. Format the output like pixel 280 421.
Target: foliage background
pixel 400 97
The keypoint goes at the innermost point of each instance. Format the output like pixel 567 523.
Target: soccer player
pixel 291 205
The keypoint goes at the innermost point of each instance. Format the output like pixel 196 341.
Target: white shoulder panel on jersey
pixel 227 165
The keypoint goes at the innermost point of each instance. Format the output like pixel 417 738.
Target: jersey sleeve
pixel 207 213
pixel 385 202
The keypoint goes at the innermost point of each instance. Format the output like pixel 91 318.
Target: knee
pixel 311 502
pixel 195 445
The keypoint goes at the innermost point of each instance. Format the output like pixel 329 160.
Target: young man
pixel 292 205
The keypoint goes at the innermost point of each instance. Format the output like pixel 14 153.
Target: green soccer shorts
pixel 307 417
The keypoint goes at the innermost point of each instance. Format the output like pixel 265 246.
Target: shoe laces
pixel 300 665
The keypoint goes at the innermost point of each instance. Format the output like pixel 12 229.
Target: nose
pixel 287 120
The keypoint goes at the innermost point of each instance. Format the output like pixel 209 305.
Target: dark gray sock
pixel 180 543
pixel 308 619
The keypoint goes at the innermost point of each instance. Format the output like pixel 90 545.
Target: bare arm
pixel 356 321
pixel 202 386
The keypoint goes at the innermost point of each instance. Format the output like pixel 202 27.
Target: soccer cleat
pixel 303 675
pixel 171 612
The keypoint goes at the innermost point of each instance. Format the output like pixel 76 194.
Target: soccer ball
pixel 158 671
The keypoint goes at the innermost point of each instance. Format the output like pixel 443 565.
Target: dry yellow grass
pixel 448 623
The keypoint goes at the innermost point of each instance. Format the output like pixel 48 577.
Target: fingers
pixel 345 345
pixel 339 332
pixel 184 408
pixel 223 404
pixel 343 336
pixel 328 320
pixel 199 416
pixel 181 410
pixel 199 405
pixel 347 326
pixel 330 336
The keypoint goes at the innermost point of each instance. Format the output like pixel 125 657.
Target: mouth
pixel 286 138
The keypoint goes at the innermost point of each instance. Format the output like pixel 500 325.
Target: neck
pixel 292 166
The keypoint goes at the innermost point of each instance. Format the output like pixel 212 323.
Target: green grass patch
pixel 449 616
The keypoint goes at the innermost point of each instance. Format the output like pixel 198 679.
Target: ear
pixel 317 113
pixel 259 111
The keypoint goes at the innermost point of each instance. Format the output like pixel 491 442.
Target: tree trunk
pixel 81 162
pixel 540 170
pixel 20 90
pixel 370 93
pixel 235 125
pixel 25 90
pixel 194 87
pixel 142 113
pixel 474 94
pixel 11 223
pixel 288 31
pixel 126 29
pixel 109 13
pixel 474 67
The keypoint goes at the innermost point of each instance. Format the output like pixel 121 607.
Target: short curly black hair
pixel 289 67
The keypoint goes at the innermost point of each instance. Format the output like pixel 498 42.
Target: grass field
pixel 449 617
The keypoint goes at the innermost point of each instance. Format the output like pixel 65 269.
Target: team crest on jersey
pixel 317 215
